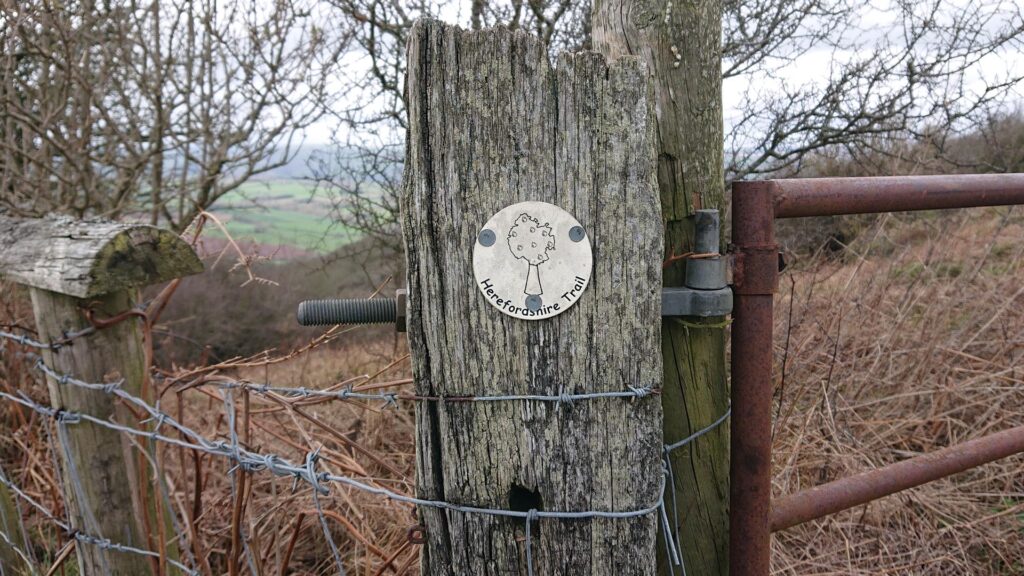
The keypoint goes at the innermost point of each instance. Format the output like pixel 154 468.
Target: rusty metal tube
pixel 755 274
pixel 867 486
pixel 755 205
pixel 835 196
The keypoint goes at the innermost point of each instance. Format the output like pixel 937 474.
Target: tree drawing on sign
pixel 529 240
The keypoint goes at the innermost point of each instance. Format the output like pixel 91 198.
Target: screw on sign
pixel 529 240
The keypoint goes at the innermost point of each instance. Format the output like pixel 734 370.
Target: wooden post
pixel 13 538
pixel 493 123
pixel 69 266
pixel 681 44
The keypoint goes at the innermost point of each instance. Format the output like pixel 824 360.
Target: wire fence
pixel 158 426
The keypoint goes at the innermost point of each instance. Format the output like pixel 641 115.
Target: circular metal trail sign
pixel 532 260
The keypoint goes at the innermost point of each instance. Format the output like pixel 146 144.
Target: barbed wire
pixel 391 399
pixel 80 536
pixel 279 466
pixel 306 472
pixel 348 392
pixel 67 338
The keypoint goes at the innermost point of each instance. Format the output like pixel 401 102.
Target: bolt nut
pixel 706 273
pixel 401 310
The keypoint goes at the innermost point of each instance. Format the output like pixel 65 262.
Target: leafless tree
pixel 918 71
pixel 159 107
pixel 891 73
pixel 362 172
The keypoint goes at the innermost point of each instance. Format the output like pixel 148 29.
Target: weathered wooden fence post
pixel 491 124
pixel 12 535
pixel 71 266
pixel 681 44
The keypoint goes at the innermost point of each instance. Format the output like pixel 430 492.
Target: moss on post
pixel 681 43
pixel 70 266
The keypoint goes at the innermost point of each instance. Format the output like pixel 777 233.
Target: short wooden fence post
pixel 70 267
pixel 493 123
pixel 12 536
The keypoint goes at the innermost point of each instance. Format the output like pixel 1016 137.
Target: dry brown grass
pixel 355 438
pixel 908 341
pixel 911 342
pixel 277 523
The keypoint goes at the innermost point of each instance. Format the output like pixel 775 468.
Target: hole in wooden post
pixel 523 499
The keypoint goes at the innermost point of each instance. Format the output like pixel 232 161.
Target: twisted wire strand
pixel 55 345
pixel 306 473
pixel 530 517
pixel 391 399
pixel 281 467
pixel 725 416
pixel 229 408
pixel 249 460
pixel 4 539
pixel 311 460
pixel 27 554
pixel 673 543
pixel 278 466
pixel 102 543
pixel 85 511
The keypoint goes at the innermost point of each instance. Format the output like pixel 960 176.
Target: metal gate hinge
pixel 689 302
pixel 706 292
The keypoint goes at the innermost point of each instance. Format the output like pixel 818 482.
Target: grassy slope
pixel 282 212
pixel 908 340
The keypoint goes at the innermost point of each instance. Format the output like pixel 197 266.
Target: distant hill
pixel 298 167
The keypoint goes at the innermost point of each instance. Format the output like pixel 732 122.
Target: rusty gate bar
pixel 755 272
pixel 755 206
pixel 867 486
pixel 836 196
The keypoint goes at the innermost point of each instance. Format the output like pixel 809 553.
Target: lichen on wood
pixel 681 44
pixel 493 123
pixel 70 265
pixel 87 258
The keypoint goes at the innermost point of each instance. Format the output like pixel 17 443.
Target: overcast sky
pixel 877 18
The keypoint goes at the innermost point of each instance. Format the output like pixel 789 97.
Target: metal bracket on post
pixel 333 311
pixel 707 292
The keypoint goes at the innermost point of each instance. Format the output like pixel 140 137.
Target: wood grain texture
pixel 680 43
pixel 71 265
pixel 86 258
pixel 493 123
pixel 104 458
pixel 13 536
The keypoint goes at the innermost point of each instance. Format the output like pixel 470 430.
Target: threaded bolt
pixel 329 312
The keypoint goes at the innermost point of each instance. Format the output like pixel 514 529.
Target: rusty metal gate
pixel 756 205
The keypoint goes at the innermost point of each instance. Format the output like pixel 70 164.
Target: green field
pixel 282 213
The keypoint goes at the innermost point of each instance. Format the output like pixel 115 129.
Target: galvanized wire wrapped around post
pixel 96 266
